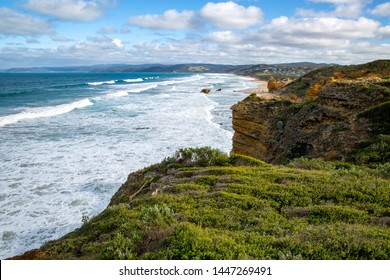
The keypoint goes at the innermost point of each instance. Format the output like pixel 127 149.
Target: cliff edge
pixel 336 113
pixel 202 204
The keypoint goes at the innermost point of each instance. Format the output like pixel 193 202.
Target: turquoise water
pixel 69 140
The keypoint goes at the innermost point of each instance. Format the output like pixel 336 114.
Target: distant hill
pixel 285 70
pixel 259 70
pixel 215 68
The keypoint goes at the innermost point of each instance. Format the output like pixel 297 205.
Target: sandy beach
pixel 261 90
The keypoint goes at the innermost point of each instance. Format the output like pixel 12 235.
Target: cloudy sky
pixel 85 32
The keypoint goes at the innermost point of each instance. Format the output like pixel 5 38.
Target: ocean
pixel 69 140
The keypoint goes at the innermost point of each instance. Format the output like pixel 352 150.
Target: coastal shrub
pixel 311 209
pixel 120 248
pixel 299 88
pixel 382 170
pixel 379 117
pixel 272 84
pixel 85 218
pixel 203 157
pixel 377 150
pixel 191 242
pixel 333 213
pixel 318 164
pixel 209 180
pixel 157 214
pixel 237 159
pixel 309 164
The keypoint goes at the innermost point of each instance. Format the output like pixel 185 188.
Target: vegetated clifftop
pixel 336 113
pixel 284 70
pixel 202 204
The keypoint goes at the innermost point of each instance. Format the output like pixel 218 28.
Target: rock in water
pixel 205 90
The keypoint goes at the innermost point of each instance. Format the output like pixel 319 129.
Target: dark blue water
pixel 49 89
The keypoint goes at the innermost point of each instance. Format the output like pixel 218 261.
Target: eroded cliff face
pixel 257 125
pixel 330 126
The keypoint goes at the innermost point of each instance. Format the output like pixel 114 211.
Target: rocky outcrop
pixel 254 120
pixel 372 72
pixel 331 125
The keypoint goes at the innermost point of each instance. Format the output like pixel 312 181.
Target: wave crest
pixel 101 83
pixel 133 80
pixel 44 112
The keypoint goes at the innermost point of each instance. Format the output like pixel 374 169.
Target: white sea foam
pixel 140 87
pixel 143 88
pixel 101 83
pixel 133 80
pixel 44 112
pixel 118 93
pixel 59 171
pixel 136 88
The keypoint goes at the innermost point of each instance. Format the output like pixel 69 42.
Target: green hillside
pixel 202 204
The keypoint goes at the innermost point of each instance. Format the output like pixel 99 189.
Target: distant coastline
pixel 286 69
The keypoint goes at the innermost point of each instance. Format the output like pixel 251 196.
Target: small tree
pixel 272 84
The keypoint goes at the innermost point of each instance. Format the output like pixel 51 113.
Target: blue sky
pixel 84 32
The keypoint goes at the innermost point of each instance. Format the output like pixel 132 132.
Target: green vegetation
pixel 203 204
pixel 379 116
pixel 379 69
pixel 375 150
pixel 197 69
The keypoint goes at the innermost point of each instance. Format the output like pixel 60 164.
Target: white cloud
pixel 108 30
pixel 32 41
pixel 247 51
pixel 125 30
pixel 13 23
pixel 224 15
pixel 253 52
pixel 321 33
pixel 171 19
pixel 59 38
pixel 225 37
pixel 229 15
pixel 97 46
pixel 382 10
pixel 318 39
pixel 118 43
pixel 72 10
pixel 342 8
pixel 385 31
pixel 90 51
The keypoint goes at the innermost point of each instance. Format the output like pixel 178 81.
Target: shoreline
pixel 261 90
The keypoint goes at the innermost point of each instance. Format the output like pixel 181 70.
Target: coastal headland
pixel 308 178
